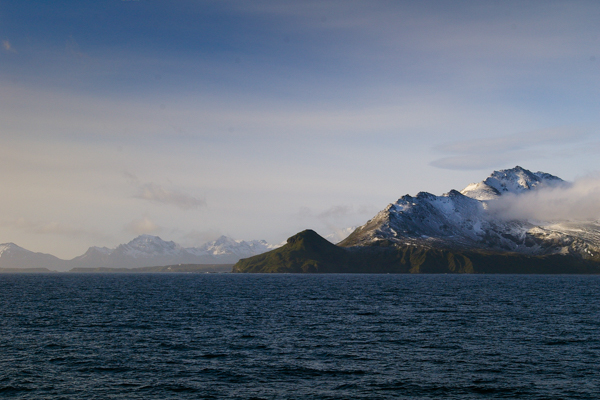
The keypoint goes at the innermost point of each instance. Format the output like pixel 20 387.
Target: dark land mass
pixel 307 252
pixel 25 270
pixel 196 268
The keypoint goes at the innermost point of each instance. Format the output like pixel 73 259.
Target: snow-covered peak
pixel 10 247
pixel 149 241
pixel 225 241
pixel 147 245
pixel 225 245
pixel 515 180
pixel 100 250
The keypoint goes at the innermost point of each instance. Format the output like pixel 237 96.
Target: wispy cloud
pixel 7 46
pixel 336 211
pixel 142 226
pixel 158 194
pixel 500 150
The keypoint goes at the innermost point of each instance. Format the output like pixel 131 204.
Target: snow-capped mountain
pixel 143 251
pixel 463 220
pixel 147 250
pixel 230 250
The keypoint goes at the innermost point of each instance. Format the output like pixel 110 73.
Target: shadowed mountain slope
pixel 307 252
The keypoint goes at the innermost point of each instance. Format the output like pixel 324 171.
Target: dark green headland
pixel 307 252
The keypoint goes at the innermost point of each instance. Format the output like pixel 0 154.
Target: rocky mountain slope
pixel 466 220
pixel 456 232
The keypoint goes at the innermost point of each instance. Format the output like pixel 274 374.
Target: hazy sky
pixel 257 119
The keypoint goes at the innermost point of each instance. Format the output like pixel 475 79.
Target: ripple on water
pixel 298 336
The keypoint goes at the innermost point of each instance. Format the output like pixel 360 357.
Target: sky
pixel 258 119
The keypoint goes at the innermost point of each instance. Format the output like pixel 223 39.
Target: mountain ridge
pixel 142 251
pixel 459 232
pixel 456 220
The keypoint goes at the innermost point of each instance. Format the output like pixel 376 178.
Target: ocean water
pixel 230 336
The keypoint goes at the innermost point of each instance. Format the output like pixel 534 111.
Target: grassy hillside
pixel 304 252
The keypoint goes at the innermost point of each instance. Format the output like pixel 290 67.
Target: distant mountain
pixel 143 251
pixel 13 257
pixel 456 229
pixel 228 250
pixel 147 250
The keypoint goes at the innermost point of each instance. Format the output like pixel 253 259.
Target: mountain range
pixel 459 231
pixel 143 251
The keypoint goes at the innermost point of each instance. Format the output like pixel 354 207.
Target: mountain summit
pixel 516 180
pixel 18 258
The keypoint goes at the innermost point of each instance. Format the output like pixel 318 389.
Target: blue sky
pixel 257 119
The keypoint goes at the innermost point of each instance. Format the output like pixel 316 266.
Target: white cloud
pixel 578 201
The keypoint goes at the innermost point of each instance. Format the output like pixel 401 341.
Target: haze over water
pixel 235 336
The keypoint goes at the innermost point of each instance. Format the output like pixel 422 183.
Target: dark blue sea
pixel 230 336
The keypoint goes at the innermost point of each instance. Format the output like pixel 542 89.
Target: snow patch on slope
pixel 147 246
pixel 516 181
pixel 464 220
pixel 7 247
